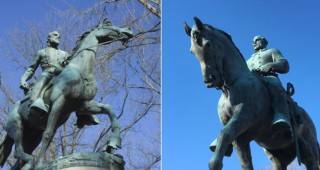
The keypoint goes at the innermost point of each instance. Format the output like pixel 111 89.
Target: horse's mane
pixel 228 36
pixel 81 38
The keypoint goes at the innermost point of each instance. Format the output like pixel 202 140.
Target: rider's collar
pixel 261 50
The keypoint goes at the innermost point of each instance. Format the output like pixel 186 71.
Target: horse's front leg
pixel 51 128
pixel 92 107
pixel 236 126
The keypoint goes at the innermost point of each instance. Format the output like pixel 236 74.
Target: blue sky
pixel 190 121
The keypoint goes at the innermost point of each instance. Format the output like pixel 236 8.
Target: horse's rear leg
pixel 5 149
pixel 14 129
pixel 242 147
pixel 236 125
pixel 310 153
pixel 92 107
pixel 281 158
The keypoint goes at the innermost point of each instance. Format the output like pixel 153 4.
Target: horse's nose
pixel 209 79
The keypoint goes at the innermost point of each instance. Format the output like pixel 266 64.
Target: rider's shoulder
pixel 41 52
pixel 63 52
pixel 274 50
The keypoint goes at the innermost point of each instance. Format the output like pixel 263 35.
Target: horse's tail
pixel 319 155
pixel 5 149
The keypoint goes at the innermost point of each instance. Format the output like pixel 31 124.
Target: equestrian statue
pixel 66 89
pixel 247 106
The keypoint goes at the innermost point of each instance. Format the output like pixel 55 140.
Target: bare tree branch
pixel 151 8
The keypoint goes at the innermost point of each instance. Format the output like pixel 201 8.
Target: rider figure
pixel 267 63
pixel 50 60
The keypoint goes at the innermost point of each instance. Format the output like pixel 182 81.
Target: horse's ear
pixel 106 21
pixel 198 23
pixel 187 29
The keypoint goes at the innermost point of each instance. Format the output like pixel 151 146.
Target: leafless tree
pixel 128 77
pixel 293 166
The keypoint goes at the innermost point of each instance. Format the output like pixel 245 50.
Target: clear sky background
pixel 190 121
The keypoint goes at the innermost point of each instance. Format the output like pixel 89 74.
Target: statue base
pixel 86 161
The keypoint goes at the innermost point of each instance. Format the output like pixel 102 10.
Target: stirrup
pixel 40 105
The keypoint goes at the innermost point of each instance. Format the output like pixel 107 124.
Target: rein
pixel 65 62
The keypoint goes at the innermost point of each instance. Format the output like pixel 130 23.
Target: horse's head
pixel 206 46
pixel 106 32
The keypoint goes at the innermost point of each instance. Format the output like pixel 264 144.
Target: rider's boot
pixel 281 119
pixel 40 105
pixel 281 122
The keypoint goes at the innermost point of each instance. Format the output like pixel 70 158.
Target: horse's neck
pixel 86 56
pixel 234 66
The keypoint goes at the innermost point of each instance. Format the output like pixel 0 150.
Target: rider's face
pixel 258 44
pixel 54 38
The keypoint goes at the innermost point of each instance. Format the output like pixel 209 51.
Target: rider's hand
pixel 23 85
pixel 267 68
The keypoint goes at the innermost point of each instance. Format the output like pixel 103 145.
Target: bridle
pixel 99 44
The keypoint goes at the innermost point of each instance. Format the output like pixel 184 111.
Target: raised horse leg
pixel 56 110
pixel 236 125
pixel 93 107
pixel 14 129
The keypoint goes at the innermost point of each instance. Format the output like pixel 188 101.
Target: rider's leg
pixel 38 86
pixel 37 91
pixel 280 105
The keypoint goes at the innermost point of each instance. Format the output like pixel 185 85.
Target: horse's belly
pixel 34 120
pixel 274 141
pixel 37 122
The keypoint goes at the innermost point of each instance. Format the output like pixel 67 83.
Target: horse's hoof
pixel 39 166
pixel 114 141
pixel 27 166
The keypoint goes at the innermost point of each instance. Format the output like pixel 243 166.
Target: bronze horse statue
pixel 72 90
pixel 245 107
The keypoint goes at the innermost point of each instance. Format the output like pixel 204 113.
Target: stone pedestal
pixel 86 161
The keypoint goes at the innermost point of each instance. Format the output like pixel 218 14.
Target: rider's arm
pixel 280 64
pixel 249 64
pixel 30 70
pixel 64 61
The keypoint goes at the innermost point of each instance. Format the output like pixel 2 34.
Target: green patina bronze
pixel 51 60
pixel 71 90
pixel 246 106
